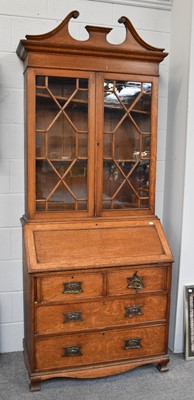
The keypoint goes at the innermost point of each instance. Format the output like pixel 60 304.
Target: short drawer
pixel 137 280
pixel 84 349
pixel 97 314
pixel 69 287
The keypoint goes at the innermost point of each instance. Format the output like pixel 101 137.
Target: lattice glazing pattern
pixel 126 144
pixel 61 143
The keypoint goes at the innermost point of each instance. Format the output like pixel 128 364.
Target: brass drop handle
pixel 72 351
pixel 133 311
pixel 135 282
pixel 72 287
pixel 132 343
pixel 73 316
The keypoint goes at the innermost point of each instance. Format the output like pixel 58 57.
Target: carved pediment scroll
pixel 60 41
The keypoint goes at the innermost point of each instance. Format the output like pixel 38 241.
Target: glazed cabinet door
pixel 61 141
pixel 91 143
pixel 127 144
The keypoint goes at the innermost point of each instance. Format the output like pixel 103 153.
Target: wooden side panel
pixel 28 290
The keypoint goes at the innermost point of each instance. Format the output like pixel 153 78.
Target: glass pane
pixel 80 98
pixel 140 178
pixel 125 198
pixel 65 88
pixel 144 203
pixel 61 199
pixel 77 112
pixel 112 179
pixel 40 81
pixel 46 179
pixel 82 145
pixel 121 93
pixel 126 144
pixel 61 183
pixel 143 104
pixel 46 110
pixel 40 144
pixel 76 180
pixel 111 99
pixel 61 167
pixel 107 204
pixel 146 146
pixel 126 167
pixel 128 92
pixel 142 121
pixel 112 119
pixel 62 88
pixel 62 139
pixel 126 140
pixel 108 139
pixel 147 87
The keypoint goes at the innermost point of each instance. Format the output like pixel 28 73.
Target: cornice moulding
pixel 59 41
pixel 158 4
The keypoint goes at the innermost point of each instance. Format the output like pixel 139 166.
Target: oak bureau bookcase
pixel 97 265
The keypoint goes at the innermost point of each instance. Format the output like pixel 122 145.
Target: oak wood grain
pixel 96 280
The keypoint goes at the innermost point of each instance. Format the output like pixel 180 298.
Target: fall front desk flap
pixel 63 246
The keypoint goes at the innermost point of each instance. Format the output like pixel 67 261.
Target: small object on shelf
pixel 54 155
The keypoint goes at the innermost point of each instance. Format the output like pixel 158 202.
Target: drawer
pixel 139 280
pixel 95 348
pixel 95 315
pixel 70 287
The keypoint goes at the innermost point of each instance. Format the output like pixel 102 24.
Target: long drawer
pixel 99 314
pixel 94 348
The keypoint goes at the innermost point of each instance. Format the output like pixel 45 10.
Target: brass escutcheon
pixel 133 343
pixel 135 282
pixel 72 351
pixel 133 311
pixel 73 287
pixel 72 316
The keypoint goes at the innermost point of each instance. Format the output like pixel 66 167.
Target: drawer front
pixel 139 280
pixel 85 349
pixel 94 315
pixel 70 287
